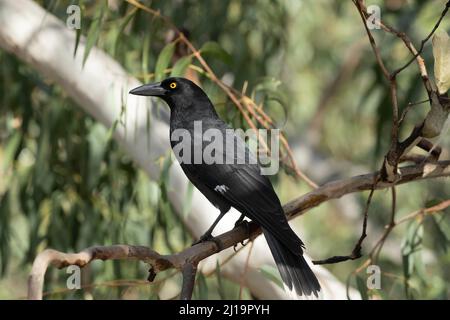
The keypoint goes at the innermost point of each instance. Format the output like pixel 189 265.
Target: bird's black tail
pixel 294 270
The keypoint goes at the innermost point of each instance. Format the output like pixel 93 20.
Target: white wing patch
pixel 221 188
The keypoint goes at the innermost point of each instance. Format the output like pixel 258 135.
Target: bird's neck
pixel 186 116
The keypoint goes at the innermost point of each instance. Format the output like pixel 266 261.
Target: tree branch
pixel 428 127
pixel 188 259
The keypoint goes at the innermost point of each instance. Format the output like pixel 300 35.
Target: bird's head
pixel 177 92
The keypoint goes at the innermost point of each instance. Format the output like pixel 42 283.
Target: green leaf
pixel 441 53
pixel 122 26
pixel 411 253
pixel 213 49
pixel 11 149
pixel 94 30
pixel 164 175
pixel 362 288
pixel 163 61
pixel 434 236
pixel 187 202
pixel 97 139
pixel 272 274
pixel 202 286
pixel 180 67
pixel 219 281
pixel 268 84
pixel 153 193
pixel 272 89
pixel 77 41
pixel 146 55
pixel 111 130
pixel 43 177
pixel 5 225
pixel 78 31
pixel 436 119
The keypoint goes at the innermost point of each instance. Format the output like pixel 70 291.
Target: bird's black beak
pixel 151 89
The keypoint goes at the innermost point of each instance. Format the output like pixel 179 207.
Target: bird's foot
pixel 240 221
pixel 209 237
pixel 203 238
pixel 238 224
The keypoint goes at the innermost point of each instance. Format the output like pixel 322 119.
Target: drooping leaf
pixel 434 236
pixel 441 53
pixel 187 202
pixel 411 258
pixel 202 286
pixel 166 164
pixel 145 56
pixel 11 149
pixel 123 24
pixel 362 288
pixel 97 139
pixel 435 120
pixel 180 67
pixel 94 30
pixel 271 274
pixel 213 49
pixel 5 215
pixel 220 287
pixel 163 61
pixel 77 41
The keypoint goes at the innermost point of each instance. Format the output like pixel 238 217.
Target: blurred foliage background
pixel 67 185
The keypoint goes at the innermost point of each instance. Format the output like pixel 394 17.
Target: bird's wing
pixel 250 192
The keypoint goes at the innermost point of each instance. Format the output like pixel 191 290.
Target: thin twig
pixel 397 150
pixel 356 252
pixel 197 253
pixel 424 41
pixel 243 275
pixel 408 108
pixel 431 210
pixel 359 5
pixel 374 254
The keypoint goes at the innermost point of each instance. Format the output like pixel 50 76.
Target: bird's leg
pixel 207 235
pixel 239 222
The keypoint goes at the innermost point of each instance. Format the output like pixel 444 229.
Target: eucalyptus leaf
pixel 202 286
pixel 180 67
pixel 94 30
pixel 163 61
pixel 5 233
pixel 11 149
pixel 97 138
pixel 434 236
pixel 213 49
pixel 187 202
pixel 441 53
pixel 272 274
pixel 220 286
pixel 362 288
pixel 123 24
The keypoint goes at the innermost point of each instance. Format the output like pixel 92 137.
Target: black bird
pixel 239 185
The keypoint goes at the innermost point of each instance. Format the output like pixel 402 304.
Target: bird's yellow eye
pixel 172 85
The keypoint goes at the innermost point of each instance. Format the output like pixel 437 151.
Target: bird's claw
pixel 203 238
pixel 237 224
pixel 242 243
pixel 208 237
pixel 241 222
